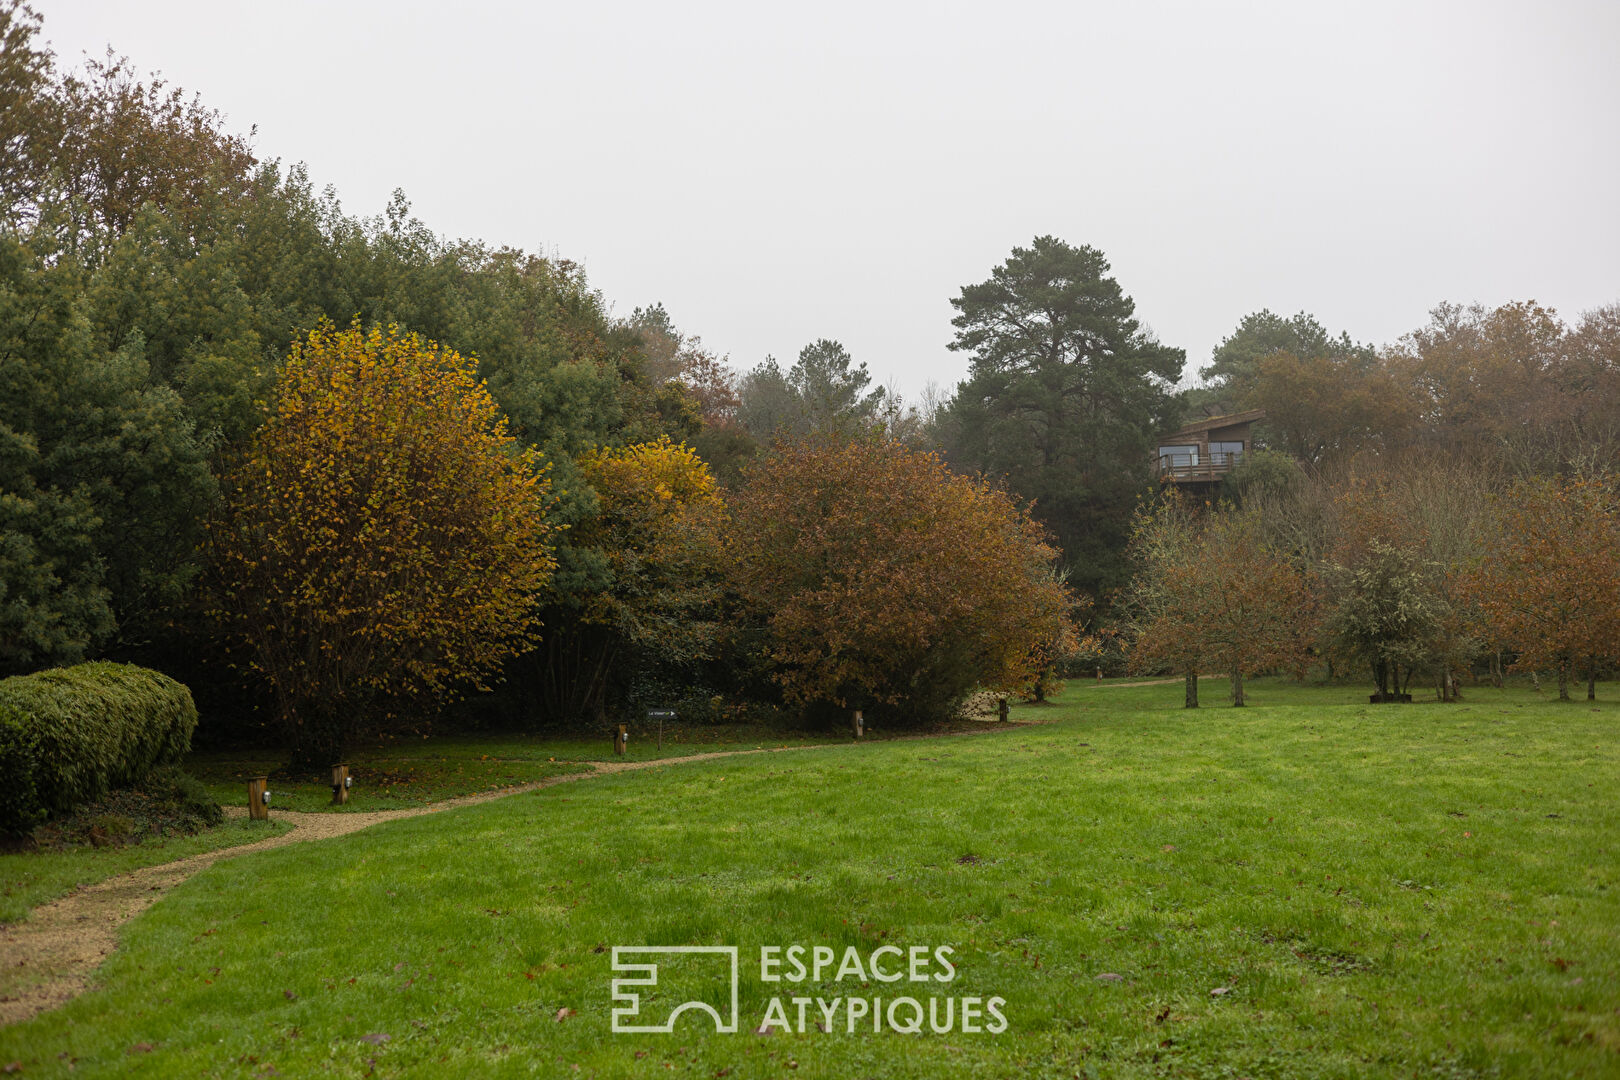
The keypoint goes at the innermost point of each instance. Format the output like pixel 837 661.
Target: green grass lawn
pixel 28 879
pixel 390 778
pixel 394 774
pixel 1423 890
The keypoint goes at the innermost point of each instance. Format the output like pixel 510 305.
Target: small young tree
pixel 1550 588
pixel 1384 615
pixel 382 538
pixel 880 577
pixel 1384 607
pixel 1213 594
pixel 1166 595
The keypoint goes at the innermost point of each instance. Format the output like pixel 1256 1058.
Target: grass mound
pixel 167 803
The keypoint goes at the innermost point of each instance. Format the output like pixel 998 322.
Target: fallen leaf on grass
pixel 1109 976
pixel 1220 991
pixel 564 1013
pixel 376 1038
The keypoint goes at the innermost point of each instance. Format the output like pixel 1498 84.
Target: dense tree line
pixel 1448 500
pixel 1405 571
pixel 174 312
pixel 244 432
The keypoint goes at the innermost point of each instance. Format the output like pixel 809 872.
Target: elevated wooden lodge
pixel 1205 451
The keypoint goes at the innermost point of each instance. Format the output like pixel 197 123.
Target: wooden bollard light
pixel 620 739
pixel 259 798
pixel 858 724
pixel 340 784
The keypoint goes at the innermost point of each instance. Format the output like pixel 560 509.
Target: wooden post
pixel 1099 674
pixel 340 785
pixel 619 739
pixel 1002 710
pixel 258 809
pixel 859 724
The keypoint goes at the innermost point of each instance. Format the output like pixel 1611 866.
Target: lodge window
pixel 1225 453
pixel 1178 457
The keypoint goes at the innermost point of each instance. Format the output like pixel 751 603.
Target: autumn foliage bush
pixel 382 539
pixel 877 577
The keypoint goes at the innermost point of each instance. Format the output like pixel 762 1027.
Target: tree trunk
pixel 573 679
pixel 1192 689
pixel 1591 682
pixel 1496 669
pixel 320 736
pixel 1237 687
pixel 1563 682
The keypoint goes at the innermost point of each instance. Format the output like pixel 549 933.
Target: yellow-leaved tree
pixel 656 540
pixel 382 539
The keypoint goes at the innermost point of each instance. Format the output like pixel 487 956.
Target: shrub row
pixel 70 735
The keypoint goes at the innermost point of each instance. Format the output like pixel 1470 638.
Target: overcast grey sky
pixel 778 173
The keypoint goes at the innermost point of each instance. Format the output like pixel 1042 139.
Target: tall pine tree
pixel 1063 398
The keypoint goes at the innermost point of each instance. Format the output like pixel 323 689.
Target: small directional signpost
pixel 660 715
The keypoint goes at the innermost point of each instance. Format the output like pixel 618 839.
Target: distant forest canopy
pixel 155 274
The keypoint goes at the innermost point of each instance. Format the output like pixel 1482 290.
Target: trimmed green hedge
pixel 70 735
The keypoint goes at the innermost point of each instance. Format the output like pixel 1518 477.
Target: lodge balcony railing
pixel 1193 469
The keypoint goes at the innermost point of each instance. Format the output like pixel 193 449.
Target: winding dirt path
pixel 55 951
